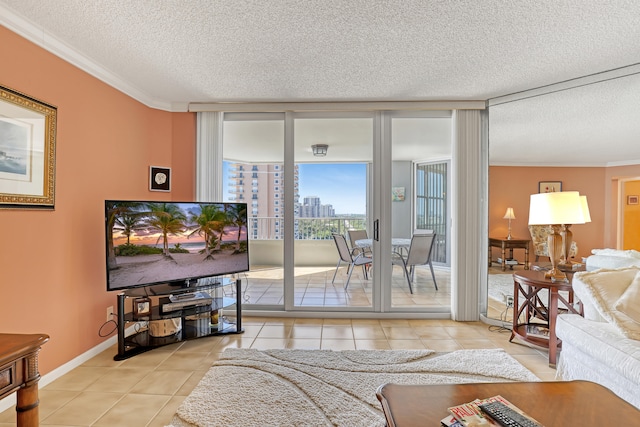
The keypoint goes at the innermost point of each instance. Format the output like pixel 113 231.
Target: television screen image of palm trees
pixel 154 242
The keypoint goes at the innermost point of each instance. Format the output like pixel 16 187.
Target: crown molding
pixel 48 42
pixel 335 106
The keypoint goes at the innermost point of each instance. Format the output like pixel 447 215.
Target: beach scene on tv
pixel 161 242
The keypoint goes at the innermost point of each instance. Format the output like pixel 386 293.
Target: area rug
pixel 499 286
pixel 249 387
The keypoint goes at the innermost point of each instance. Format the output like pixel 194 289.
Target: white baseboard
pixel 10 400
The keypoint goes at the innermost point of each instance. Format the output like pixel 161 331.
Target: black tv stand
pixel 156 327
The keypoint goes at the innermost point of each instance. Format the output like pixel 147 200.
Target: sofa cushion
pixel 629 302
pixel 595 262
pixel 601 342
pixel 600 291
pixel 630 253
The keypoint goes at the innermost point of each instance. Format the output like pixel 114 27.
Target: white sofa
pixel 612 258
pixel 604 345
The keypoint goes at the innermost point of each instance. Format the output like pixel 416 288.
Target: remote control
pixel 506 416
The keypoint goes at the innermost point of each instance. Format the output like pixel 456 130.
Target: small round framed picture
pixel 141 307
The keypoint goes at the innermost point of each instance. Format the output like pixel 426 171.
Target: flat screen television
pixel 160 242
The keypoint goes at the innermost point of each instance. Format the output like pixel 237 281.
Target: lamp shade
pixel 585 209
pixel 509 214
pixel 562 207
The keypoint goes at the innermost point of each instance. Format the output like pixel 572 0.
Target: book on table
pixel 450 421
pixel 508 261
pixel 469 414
pixel 539 331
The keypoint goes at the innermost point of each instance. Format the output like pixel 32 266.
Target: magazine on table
pixel 470 415
pixel 540 331
pixel 450 421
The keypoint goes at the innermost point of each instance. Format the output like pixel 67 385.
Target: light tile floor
pixel 316 286
pixel 146 389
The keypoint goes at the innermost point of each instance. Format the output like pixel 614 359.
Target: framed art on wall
pixel 397 194
pixel 27 151
pixel 632 200
pixel 159 178
pixel 549 186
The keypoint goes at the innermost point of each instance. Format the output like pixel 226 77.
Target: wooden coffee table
pixel 563 403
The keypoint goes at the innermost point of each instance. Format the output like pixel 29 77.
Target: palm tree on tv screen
pixel 127 224
pixel 237 214
pixel 209 221
pixel 115 210
pixel 167 219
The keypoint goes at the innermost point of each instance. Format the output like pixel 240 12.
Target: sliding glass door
pixel 314 180
pixel 333 156
pixel 254 173
pixel 420 145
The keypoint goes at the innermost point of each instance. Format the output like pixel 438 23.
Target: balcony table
pixel 398 243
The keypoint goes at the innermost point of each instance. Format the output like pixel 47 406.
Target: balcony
pixel 308 228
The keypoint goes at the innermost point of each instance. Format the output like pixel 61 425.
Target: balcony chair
pixel 419 254
pixel 355 235
pixel 539 235
pixel 347 256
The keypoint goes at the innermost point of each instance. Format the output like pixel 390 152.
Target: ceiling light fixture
pixel 319 150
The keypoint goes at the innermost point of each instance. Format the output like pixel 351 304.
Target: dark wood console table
pixel 19 371
pixel 511 244
pixel 563 403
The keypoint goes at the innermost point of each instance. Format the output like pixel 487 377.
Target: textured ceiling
pixel 173 52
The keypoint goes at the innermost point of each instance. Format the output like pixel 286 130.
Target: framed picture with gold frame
pixel 27 151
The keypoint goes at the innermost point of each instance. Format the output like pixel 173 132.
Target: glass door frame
pixel 383 204
pixel 289 254
pixel 379 204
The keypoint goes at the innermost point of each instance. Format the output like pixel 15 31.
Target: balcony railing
pixel 271 228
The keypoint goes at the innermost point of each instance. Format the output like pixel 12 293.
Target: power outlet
pixel 109 313
pixel 509 301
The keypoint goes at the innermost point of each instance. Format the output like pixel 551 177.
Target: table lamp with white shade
pixel 559 210
pixel 567 235
pixel 509 215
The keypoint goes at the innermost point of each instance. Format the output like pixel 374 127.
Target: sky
pixel 342 185
pixel 339 184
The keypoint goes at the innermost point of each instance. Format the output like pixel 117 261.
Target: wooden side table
pixel 533 306
pixel 19 371
pixel 511 244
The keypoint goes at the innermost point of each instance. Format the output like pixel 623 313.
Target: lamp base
pixel 555 275
pixel 567 263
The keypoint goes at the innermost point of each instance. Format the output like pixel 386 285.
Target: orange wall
pixel 52 274
pixel 616 178
pixel 511 186
pixel 631 238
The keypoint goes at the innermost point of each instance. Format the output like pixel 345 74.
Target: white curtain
pixel 209 157
pixel 469 241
